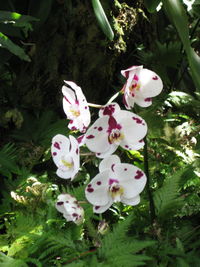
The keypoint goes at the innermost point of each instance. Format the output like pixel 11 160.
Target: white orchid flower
pixel 141 86
pixel 75 107
pixel 65 154
pixel 115 182
pixel 68 206
pixel 115 127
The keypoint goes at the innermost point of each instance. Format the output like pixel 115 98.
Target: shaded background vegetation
pixel 62 40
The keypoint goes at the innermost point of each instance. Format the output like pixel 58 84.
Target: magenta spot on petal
pixel 148 99
pixel 90 136
pixel 155 78
pixel 100 128
pixel 59 203
pixel 56 145
pixel 139 174
pixel 141 141
pixel 86 107
pixel 73 128
pixel 77 102
pixel 77 150
pixel 95 127
pixel 90 190
pixel 112 167
pixel 137 120
pixel 66 201
pixel 89 185
pixel 133 94
pixel 136 78
pixel 67 100
pixel 113 124
pixel 74 214
pixel 98 154
pixel 80 138
pixel 97 207
pixel 109 110
pixel 125 169
pixel 126 146
pixel 99 183
pixel 71 121
pixel 54 153
pixel 111 181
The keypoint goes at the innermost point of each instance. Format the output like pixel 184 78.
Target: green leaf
pixel 151 5
pixel 17 20
pixel 102 19
pixel 6 43
pixel 177 15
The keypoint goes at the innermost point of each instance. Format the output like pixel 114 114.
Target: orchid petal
pixel 96 191
pixel 111 149
pixel 134 127
pixel 130 70
pixel 101 209
pixel 131 201
pixel 97 136
pixel 109 109
pixel 109 163
pixel 131 178
pixel 151 83
pixel 60 143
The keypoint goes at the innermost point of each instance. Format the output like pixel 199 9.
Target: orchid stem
pixel 113 98
pixel 146 169
pixel 94 105
pixel 109 101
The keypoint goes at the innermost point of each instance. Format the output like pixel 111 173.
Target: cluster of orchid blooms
pixel 116 181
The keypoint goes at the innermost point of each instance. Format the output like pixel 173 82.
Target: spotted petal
pixel 134 127
pixel 109 109
pixel 130 71
pixel 97 136
pixel 96 191
pixel 131 178
pixel 108 163
pixel 101 209
pixel 60 143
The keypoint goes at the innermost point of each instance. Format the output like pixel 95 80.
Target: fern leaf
pixel 167 198
pixel 8 156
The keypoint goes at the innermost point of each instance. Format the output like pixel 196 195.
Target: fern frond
pixel 8 156
pixel 167 198
pixel 119 250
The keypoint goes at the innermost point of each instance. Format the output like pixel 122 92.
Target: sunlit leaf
pixel 151 5
pixel 177 15
pixel 102 19
pixel 6 43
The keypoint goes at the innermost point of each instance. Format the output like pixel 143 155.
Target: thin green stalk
pixel 149 192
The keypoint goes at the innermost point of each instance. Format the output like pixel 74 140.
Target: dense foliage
pixel 45 42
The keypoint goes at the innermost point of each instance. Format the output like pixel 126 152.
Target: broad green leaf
pixel 177 15
pixel 6 43
pixel 102 19
pixel 151 5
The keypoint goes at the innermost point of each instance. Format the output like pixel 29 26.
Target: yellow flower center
pixel 116 191
pixel 115 136
pixel 67 163
pixel 134 86
pixel 75 112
